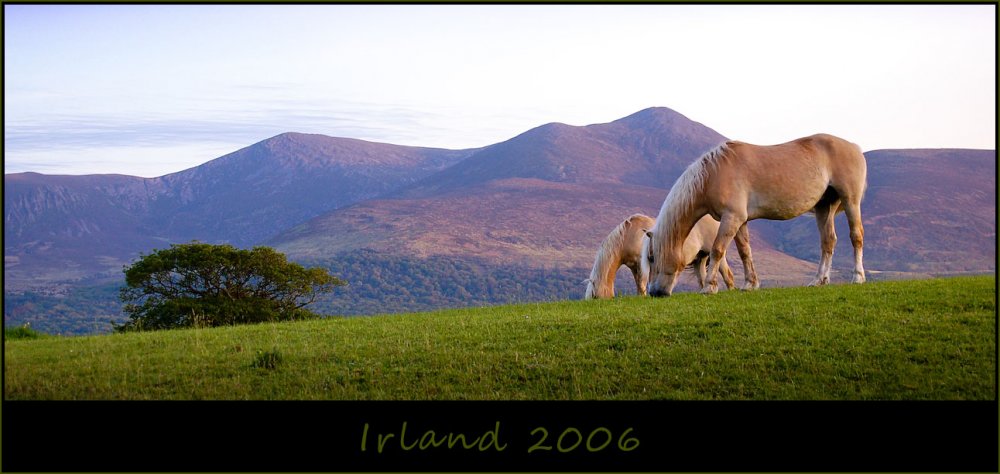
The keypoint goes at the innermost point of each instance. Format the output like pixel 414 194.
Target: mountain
pixel 532 209
pixel 252 194
pixel 649 148
pixel 543 199
pixel 548 196
pixel 59 228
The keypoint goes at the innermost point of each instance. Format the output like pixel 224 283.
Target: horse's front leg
pixel 700 268
pixel 641 279
pixel 728 227
pixel 743 247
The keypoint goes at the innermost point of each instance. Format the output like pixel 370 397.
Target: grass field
pixel 926 339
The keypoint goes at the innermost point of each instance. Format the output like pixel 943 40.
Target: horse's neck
pixel 605 272
pixel 684 222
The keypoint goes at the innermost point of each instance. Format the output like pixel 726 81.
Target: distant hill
pixel 543 197
pixel 63 228
pixel 60 229
pixel 252 194
pixel 649 148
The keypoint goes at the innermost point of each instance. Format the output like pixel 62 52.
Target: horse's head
pixel 664 264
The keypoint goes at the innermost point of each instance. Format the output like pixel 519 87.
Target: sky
pixel 148 90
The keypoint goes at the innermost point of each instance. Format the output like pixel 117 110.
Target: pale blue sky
pixel 152 89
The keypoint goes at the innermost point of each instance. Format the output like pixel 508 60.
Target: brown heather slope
pixel 545 197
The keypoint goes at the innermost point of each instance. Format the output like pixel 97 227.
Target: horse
pixel 737 182
pixel 621 247
pixel 627 245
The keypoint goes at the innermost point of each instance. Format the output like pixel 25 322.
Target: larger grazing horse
pixel 738 182
pixel 627 244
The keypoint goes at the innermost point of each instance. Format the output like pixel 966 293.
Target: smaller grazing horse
pixel 621 247
pixel 626 245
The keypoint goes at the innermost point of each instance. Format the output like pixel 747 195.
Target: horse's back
pixel 823 152
pixel 641 221
pixel 834 146
pixel 846 162
pixel 785 180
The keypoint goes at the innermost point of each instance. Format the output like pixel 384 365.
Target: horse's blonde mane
pixel 612 244
pixel 682 194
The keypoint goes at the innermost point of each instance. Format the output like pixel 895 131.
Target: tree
pixel 199 285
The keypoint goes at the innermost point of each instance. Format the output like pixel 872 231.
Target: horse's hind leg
pixel 742 239
pixel 827 239
pixel 853 212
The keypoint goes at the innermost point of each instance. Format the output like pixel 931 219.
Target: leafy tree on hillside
pixel 199 285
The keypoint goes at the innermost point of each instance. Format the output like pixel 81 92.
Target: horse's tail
pixel 864 165
pixel 590 293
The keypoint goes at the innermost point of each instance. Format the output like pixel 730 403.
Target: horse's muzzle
pixel 658 292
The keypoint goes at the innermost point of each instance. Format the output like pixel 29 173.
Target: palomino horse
pixel 738 182
pixel 627 244
pixel 621 247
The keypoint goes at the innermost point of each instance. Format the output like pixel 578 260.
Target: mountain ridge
pixel 76 227
pixel 542 199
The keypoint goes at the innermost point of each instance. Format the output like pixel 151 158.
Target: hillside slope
pixel 905 340
pixel 546 197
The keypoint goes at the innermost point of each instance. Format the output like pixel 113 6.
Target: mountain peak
pixel 653 114
pixel 648 148
pixel 664 120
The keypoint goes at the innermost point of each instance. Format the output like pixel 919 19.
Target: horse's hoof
pixel 750 287
pixel 859 278
pixel 710 290
pixel 819 282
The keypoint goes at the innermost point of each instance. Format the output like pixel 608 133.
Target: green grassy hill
pixel 928 339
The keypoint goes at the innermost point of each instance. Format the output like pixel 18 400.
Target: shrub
pixel 203 285
pixel 267 360
pixel 21 332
